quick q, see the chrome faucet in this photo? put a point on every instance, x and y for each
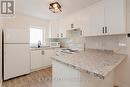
(39, 44)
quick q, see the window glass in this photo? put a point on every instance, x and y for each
(36, 35)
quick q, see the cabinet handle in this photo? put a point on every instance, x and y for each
(81, 32)
(61, 34)
(105, 29)
(72, 25)
(57, 35)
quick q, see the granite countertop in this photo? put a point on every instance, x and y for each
(43, 48)
(98, 63)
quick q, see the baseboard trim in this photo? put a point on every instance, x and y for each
(33, 70)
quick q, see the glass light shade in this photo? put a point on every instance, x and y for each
(55, 7)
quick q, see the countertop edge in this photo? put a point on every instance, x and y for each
(80, 69)
(89, 72)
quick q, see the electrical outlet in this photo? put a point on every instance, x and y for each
(122, 44)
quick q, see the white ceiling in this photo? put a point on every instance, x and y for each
(39, 8)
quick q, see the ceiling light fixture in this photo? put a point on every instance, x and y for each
(55, 7)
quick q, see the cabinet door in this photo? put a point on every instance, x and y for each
(95, 19)
(84, 21)
(47, 57)
(68, 21)
(54, 29)
(16, 60)
(77, 20)
(66, 73)
(115, 20)
(41, 58)
(84, 29)
(36, 59)
(62, 29)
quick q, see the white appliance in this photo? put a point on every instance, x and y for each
(0, 54)
(54, 44)
(16, 53)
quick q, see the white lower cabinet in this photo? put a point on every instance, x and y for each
(41, 58)
(46, 61)
(66, 76)
(36, 59)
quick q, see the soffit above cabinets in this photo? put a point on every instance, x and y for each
(40, 8)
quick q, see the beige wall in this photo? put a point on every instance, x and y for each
(21, 21)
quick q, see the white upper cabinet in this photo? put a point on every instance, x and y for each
(93, 20)
(106, 17)
(72, 21)
(58, 29)
(62, 29)
(115, 16)
(54, 29)
(76, 23)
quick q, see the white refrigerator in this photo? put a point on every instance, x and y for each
(16, 53)
(0, 54)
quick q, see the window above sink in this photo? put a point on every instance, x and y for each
(36, 36)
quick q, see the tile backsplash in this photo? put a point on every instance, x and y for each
(116, 43)
(113, 42)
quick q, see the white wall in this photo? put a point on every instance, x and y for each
(21, 21)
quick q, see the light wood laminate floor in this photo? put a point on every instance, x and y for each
(41, 78)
